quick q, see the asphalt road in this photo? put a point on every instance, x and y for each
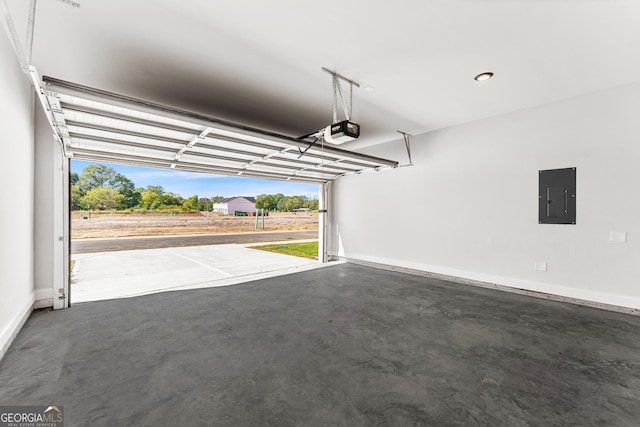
(127, 244)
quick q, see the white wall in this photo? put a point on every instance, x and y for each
(221, 208)
(16, 209)
(473, 191)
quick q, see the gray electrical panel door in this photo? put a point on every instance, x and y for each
(557, 196)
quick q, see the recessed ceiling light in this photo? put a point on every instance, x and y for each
(483, 76)
(369, 88)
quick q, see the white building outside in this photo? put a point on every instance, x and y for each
(232, 204)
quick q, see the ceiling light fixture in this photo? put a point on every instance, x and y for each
(483, 76)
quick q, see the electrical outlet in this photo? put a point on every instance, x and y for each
(618, 236)
(540, 266)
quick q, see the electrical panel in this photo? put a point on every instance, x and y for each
(557, 196)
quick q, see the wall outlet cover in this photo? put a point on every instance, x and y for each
(618, 236)
(540, 266)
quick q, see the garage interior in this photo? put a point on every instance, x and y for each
(452, 301)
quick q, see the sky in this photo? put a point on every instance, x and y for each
(187, 184)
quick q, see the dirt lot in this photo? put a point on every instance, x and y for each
(106, 225)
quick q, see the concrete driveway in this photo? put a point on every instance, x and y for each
(80, 246)
(108, 275)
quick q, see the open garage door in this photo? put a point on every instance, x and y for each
(102, 126)
(96, 125)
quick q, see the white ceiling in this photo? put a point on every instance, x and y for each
(259, 62)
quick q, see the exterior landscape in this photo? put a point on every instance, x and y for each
(107, 204)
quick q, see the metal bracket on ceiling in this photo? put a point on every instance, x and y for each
(337, 92)
(407, 144)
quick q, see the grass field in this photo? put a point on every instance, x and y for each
(304, 250)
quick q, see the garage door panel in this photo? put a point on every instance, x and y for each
(94, 124)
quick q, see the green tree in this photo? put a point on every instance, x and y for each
(190, 204)
(156, 189)
(94, 176)
(312, 204)
(150, 200)
(217, 199)
(121, 183)
(101, 198)
(74, 178)
(277, 198)
(283, 203)
(293, 202)
(76, 197)
(205, 204)
(266, 201)
(126, 187)
(130, 199)
(262, 201)
(171, 199)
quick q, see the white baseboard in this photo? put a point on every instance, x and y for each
(601, 300)
(44, 298)
(10, 331)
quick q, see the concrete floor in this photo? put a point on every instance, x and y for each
(342, 345)
(107, 275)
